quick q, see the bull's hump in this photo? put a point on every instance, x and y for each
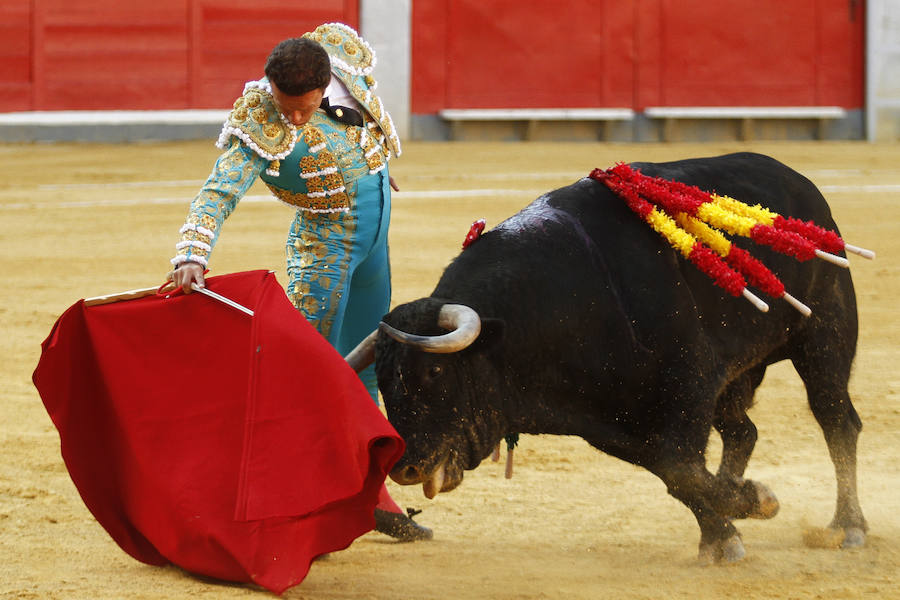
(535, 217)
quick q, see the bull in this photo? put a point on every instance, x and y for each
(573, 317)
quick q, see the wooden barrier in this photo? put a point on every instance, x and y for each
(532, 116)
(746, 114)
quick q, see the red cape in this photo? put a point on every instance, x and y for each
(235, 447)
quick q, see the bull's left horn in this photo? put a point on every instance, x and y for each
(364, 354)
(464, 325)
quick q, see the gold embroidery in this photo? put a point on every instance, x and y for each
(337, 202)
(326, 159)
(374, 153)
(312, 136)
(208, 222)
(345, 44)
(255, 120)
(333, 181)
(310, 305)
(194, 236)
(375, 107)
(358, 91)
(253, 100)
(346, 227)
(308, 163)
(230, 166)
(352, 62)
(319, 250)
(303, 288)
(271, 130)
(375, 162)
(260, 115)
(239, 114)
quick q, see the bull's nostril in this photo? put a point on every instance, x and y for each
(411, 473)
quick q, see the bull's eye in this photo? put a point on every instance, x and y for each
(434, 371)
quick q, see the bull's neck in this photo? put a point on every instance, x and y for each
(536, 411)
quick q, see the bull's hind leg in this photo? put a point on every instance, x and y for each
(738, 433)
(823, 363)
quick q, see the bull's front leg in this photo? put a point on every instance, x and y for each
(686, 479)
(742, 498)
(737, 431)
(696, 488)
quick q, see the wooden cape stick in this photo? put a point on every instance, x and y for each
(142, 292)
(120, 296)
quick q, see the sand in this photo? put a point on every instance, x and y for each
(84, 220)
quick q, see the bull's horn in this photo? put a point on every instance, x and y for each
(364, 354)
(464, 325)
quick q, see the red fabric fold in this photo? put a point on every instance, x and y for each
(234, 447)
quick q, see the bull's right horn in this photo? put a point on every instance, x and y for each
(464, 325)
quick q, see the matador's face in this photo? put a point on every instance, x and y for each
(297, 109)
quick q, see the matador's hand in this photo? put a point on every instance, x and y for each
(186, 274)
(394, 185)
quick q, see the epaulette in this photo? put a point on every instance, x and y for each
(352, 61)
(349, 52)
(256, 121)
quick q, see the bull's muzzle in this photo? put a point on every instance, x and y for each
(431, 482)
(408, 475)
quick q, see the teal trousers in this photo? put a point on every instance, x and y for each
(339, 267)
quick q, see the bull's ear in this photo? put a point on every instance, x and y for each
(492, 331)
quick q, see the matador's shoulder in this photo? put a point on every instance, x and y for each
(256, 121)
(352, 61)
(347, 50)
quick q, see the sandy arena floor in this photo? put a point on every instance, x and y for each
(84, 220)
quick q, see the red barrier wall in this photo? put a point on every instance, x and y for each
(750, 53)
(604, 53)
(514, 53)
(161, 54)
(171, 54)
(15, 55)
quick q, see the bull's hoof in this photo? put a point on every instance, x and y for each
(400, 527)
(768, 503)
(832, 538)
(730, 550)
(854, 537)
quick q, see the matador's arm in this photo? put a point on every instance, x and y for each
(233, 174)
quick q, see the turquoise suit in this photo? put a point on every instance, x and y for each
(335, 175)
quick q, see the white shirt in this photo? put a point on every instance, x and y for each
(338, 95)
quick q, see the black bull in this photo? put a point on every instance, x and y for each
(589, 324)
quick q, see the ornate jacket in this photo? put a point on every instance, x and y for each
(313, 168)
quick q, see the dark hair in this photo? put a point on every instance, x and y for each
(298, 65)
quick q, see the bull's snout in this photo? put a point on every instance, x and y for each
(408, 475)
(432, 482)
